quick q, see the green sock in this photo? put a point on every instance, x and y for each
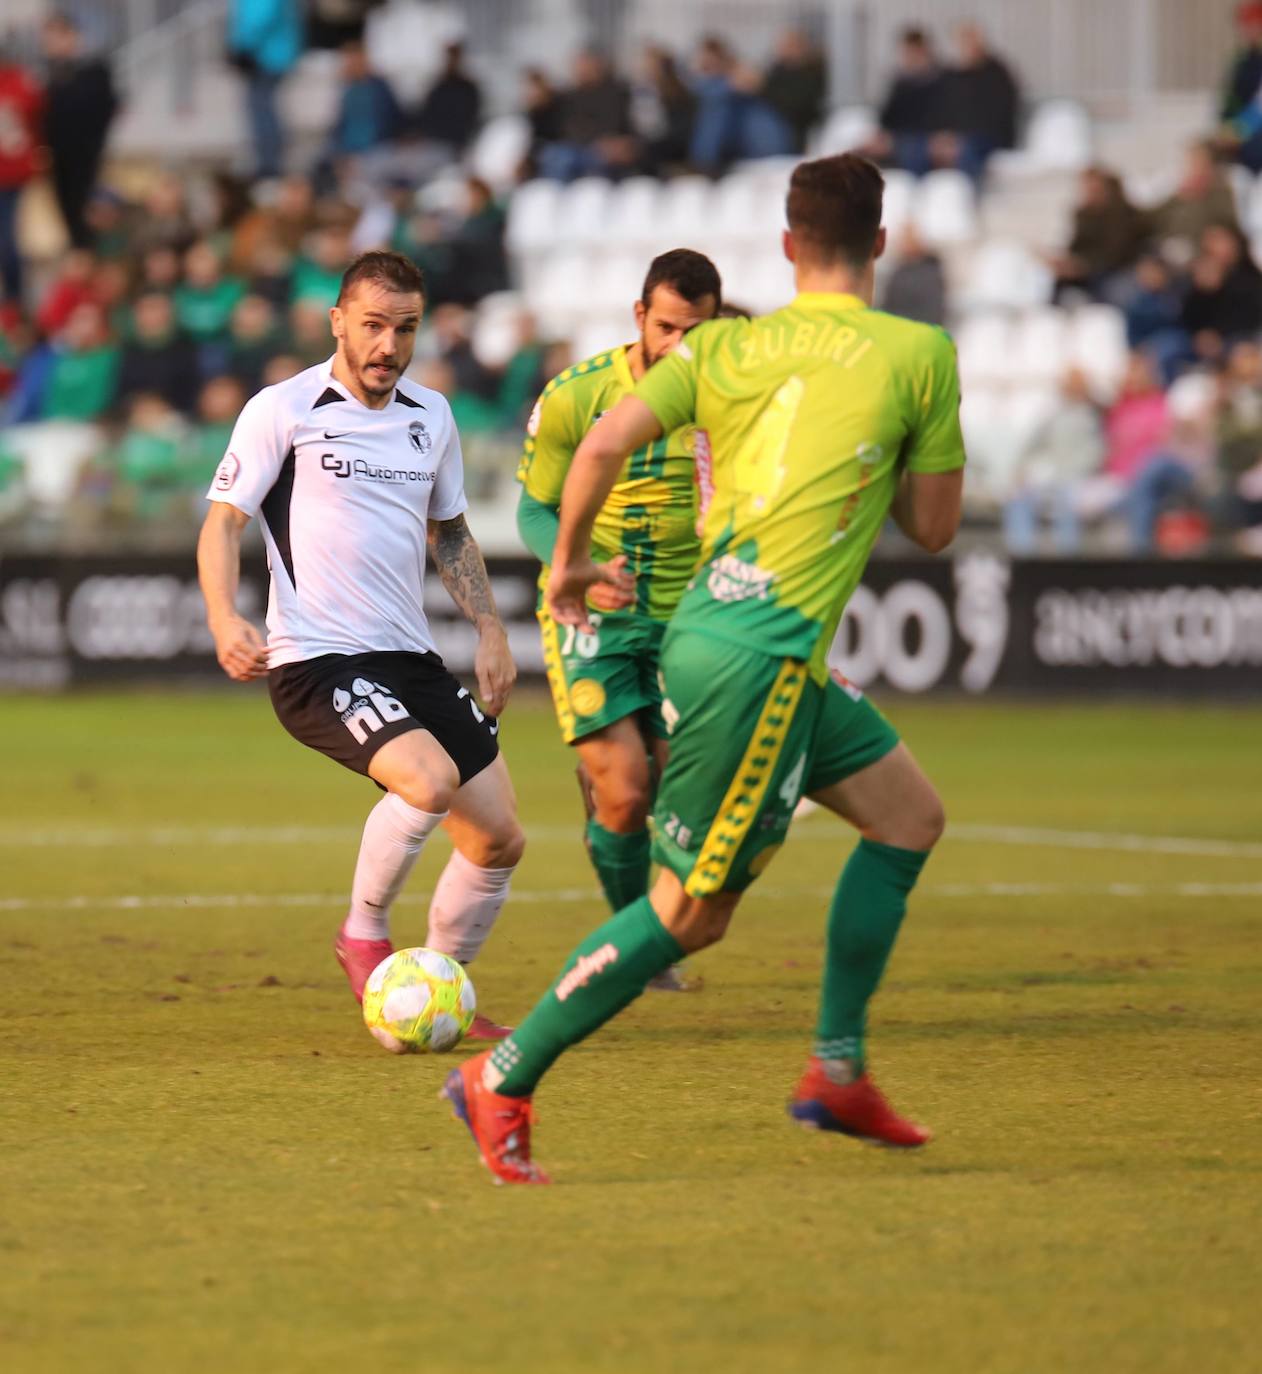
(863, 922)
(605, 973)
(621, 863)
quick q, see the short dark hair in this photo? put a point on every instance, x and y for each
(691, 275)
(392, 270)
(834, 207)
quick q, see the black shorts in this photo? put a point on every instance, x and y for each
(348, 705)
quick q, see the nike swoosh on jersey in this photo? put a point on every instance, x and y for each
(343, 435)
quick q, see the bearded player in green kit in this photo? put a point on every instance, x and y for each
(604, 680)
(823, 417)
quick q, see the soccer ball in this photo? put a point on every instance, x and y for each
(418, 1000)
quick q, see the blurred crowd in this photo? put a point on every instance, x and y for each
(179, 295)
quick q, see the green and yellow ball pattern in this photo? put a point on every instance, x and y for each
(418, 1000)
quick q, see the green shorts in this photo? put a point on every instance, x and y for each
(749, 736)
(601, 677)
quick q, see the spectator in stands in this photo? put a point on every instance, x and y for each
(164, 219)
(1237, 500)
(796, 85)
(73, 376)
(1202, 197)
(662, 109)
(255, 336)
(1066, 450)
(146, 461)
(1241, 105)
(286, 365)
(206, 298)
(1223, 304)
(218, 406)
(81, 108)
(368, 117)
(110, 225)
(73, 286)
(1152, 305)
(265, 40)
(331, 23)
(916, 288)
(733, 121)
(1107, 235)
(477, 243)
(913, 109)
(318, 270)
(1172, 480)
(541, 105)
(450, 110)
(595, 136)
(1137, 431)
(160, 270)
(21, 155)
(310, 336)
(450, 338)
(283, 217)
(158, 358)
(980, 104)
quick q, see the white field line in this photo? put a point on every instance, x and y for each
(163, 837)
(556, 896)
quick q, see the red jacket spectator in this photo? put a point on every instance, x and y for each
(21, 134)
(21, 126)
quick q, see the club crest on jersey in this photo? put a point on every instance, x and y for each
(419, 437)
(226, 472)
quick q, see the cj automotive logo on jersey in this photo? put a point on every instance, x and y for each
(363, 471)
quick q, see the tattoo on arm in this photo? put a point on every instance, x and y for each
(459, 563)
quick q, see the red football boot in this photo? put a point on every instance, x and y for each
(358, 958)
(500, 1126)
(483, 1028)
(857, 1109)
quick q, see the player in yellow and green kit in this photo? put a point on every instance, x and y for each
(823, 418)
(604, 678)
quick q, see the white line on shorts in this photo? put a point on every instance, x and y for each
(557, 896)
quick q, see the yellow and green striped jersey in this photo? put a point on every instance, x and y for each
(813, 413)
(651, 514)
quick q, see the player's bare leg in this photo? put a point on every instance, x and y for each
(420, 780)
(897, 811)
(487, 842)
(616, 775)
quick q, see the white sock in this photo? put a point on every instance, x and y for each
(394, 835)
(464, 907)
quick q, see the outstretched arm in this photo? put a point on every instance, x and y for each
(459, 562)
(597, 461)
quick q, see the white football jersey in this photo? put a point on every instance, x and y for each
(343, 493)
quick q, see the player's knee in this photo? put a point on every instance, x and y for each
(498, 848)
(623, 805)
(926, 821)
(425, 793)
(699, 923)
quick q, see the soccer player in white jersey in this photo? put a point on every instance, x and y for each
(353, 471)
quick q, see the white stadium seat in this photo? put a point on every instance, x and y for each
(686, 210)
(1060, 136)
(583, 211)
(900, 191)
(1041, 348)
(983, 345)
(499, 149)
(844, 130)
(1098, 346)
(634, 212)
(532, 216)
(1004, 274)
(945, 208)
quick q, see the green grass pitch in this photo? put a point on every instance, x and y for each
(208, 1165)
